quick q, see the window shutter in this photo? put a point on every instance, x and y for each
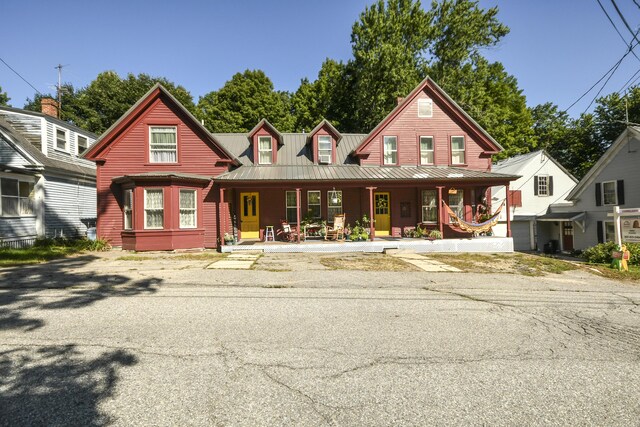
(621, 192)
(598, 194)
(535, 185)
(550, 185)
(600, 232)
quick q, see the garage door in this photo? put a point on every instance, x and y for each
(521, 232)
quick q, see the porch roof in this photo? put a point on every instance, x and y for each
(155, 176)
(562, 216)
(359, 173)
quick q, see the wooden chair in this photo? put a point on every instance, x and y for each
(336, 232)
(286, 233)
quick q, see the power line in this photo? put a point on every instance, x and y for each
(629, 82)
(615, 27)
(623, 20)
(18, 74)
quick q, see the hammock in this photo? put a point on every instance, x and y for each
(473, 227)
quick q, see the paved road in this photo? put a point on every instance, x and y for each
(166, 345)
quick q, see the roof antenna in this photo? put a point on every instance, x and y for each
(59, 87)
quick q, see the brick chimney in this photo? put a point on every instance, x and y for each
(49, 107)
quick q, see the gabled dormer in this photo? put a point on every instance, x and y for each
(265, 140)
(324, 140)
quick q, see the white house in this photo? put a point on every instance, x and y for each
(46, 188)
(543, 181)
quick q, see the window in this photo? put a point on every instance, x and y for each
(609, 232)
(61, 139)
(609, 196)
(17, 197)
(543, 185)
(292, 211)
(81, 143)
(324, 149)
(313, 204)
(425, 108)
(429, 206)
(127, 208)
(163, 144)
(265, 150)
(390, 150)
(457, 150)
(153, 209)
(334, 204)
(426, 150)
(456, 202)
(188, 206)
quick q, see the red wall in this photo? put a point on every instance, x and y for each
(408, 128)
(128, 154)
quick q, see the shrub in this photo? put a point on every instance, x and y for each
(435, 234)
(601, 253)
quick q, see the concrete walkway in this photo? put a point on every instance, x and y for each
(421, 261)
(236, 261)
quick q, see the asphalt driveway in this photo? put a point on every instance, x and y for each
(100, 340)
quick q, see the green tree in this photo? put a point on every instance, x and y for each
(4, 98)
(243, 101)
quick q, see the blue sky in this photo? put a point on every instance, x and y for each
(556, 49)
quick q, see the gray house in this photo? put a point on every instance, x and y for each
(46, 189)
(613, 181)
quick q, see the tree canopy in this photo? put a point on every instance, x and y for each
(4, 98)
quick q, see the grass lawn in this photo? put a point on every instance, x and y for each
(517, 263)
(633, 275)
(196, 256)
(49, 249)
(367, 262)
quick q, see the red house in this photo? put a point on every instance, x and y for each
(164, 182)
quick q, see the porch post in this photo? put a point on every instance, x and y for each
(372, 226)
(440, 209)
(221, 221)
(298, 211)
(508, 206)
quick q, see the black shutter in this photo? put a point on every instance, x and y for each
(551, 186)
(535, 185)
(600, 232)
(621, 192)
(598, 194)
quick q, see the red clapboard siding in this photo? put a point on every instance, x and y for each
(128, 154)
(408, 127)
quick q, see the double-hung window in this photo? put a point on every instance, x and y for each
(265, 150)
(609, 232)
(425, 108)
(163, 144)
(313, 204)
(188, 207)
(61, 139)
(456, 202)
(429, 206)
(17, 197)
(426, 150)
(127, 209)
(324, 149)
(543, 185)
(457, 150)
(609, 196)
(290, 205)
(390, 150)
(81, 143)
(153, 209)
(334, 204)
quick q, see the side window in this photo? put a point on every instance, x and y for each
(81, 143)
(127, 209)
(62, 142)
(163, 144)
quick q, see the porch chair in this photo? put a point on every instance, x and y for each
(286, 232)
(336, 232)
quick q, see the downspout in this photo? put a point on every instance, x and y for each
(508, 206)
(221, 222)
(298, 212)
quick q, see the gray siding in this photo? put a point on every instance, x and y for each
(67, 203)
(9, 156)
(69, 156)
(13, 228)
(521, 233)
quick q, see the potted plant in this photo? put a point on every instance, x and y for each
(228, 239)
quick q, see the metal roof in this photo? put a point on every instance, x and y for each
(162, 175)
(357, 173)
(51, 119)
(561, 216)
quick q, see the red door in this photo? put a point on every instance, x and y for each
(567, 236)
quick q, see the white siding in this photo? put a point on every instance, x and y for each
(14, 228)
(9, 156)
(69, 156)
(67, 202)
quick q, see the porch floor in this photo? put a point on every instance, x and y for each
(489, 244)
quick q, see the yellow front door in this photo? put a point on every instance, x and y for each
(249, 216)
(382, 214)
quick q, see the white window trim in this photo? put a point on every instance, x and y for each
(270, 150)
(194, 209)
(146, 227)
(615, 190)
(124, 210)
(330, 149)
(175, 128)
(384, 150)
(427, 101)
(435, 194)
(331, 206)
(78, 136)
(433, 149)
(464, 150)
(546, 194)
(33, 208)
(55, 139)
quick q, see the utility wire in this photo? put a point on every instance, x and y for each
(603, 86)
(18, 74)
(627, 85)
(624, 20)
(615, 27)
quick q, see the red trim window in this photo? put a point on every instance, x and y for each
(390, 150)
(163, 144)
